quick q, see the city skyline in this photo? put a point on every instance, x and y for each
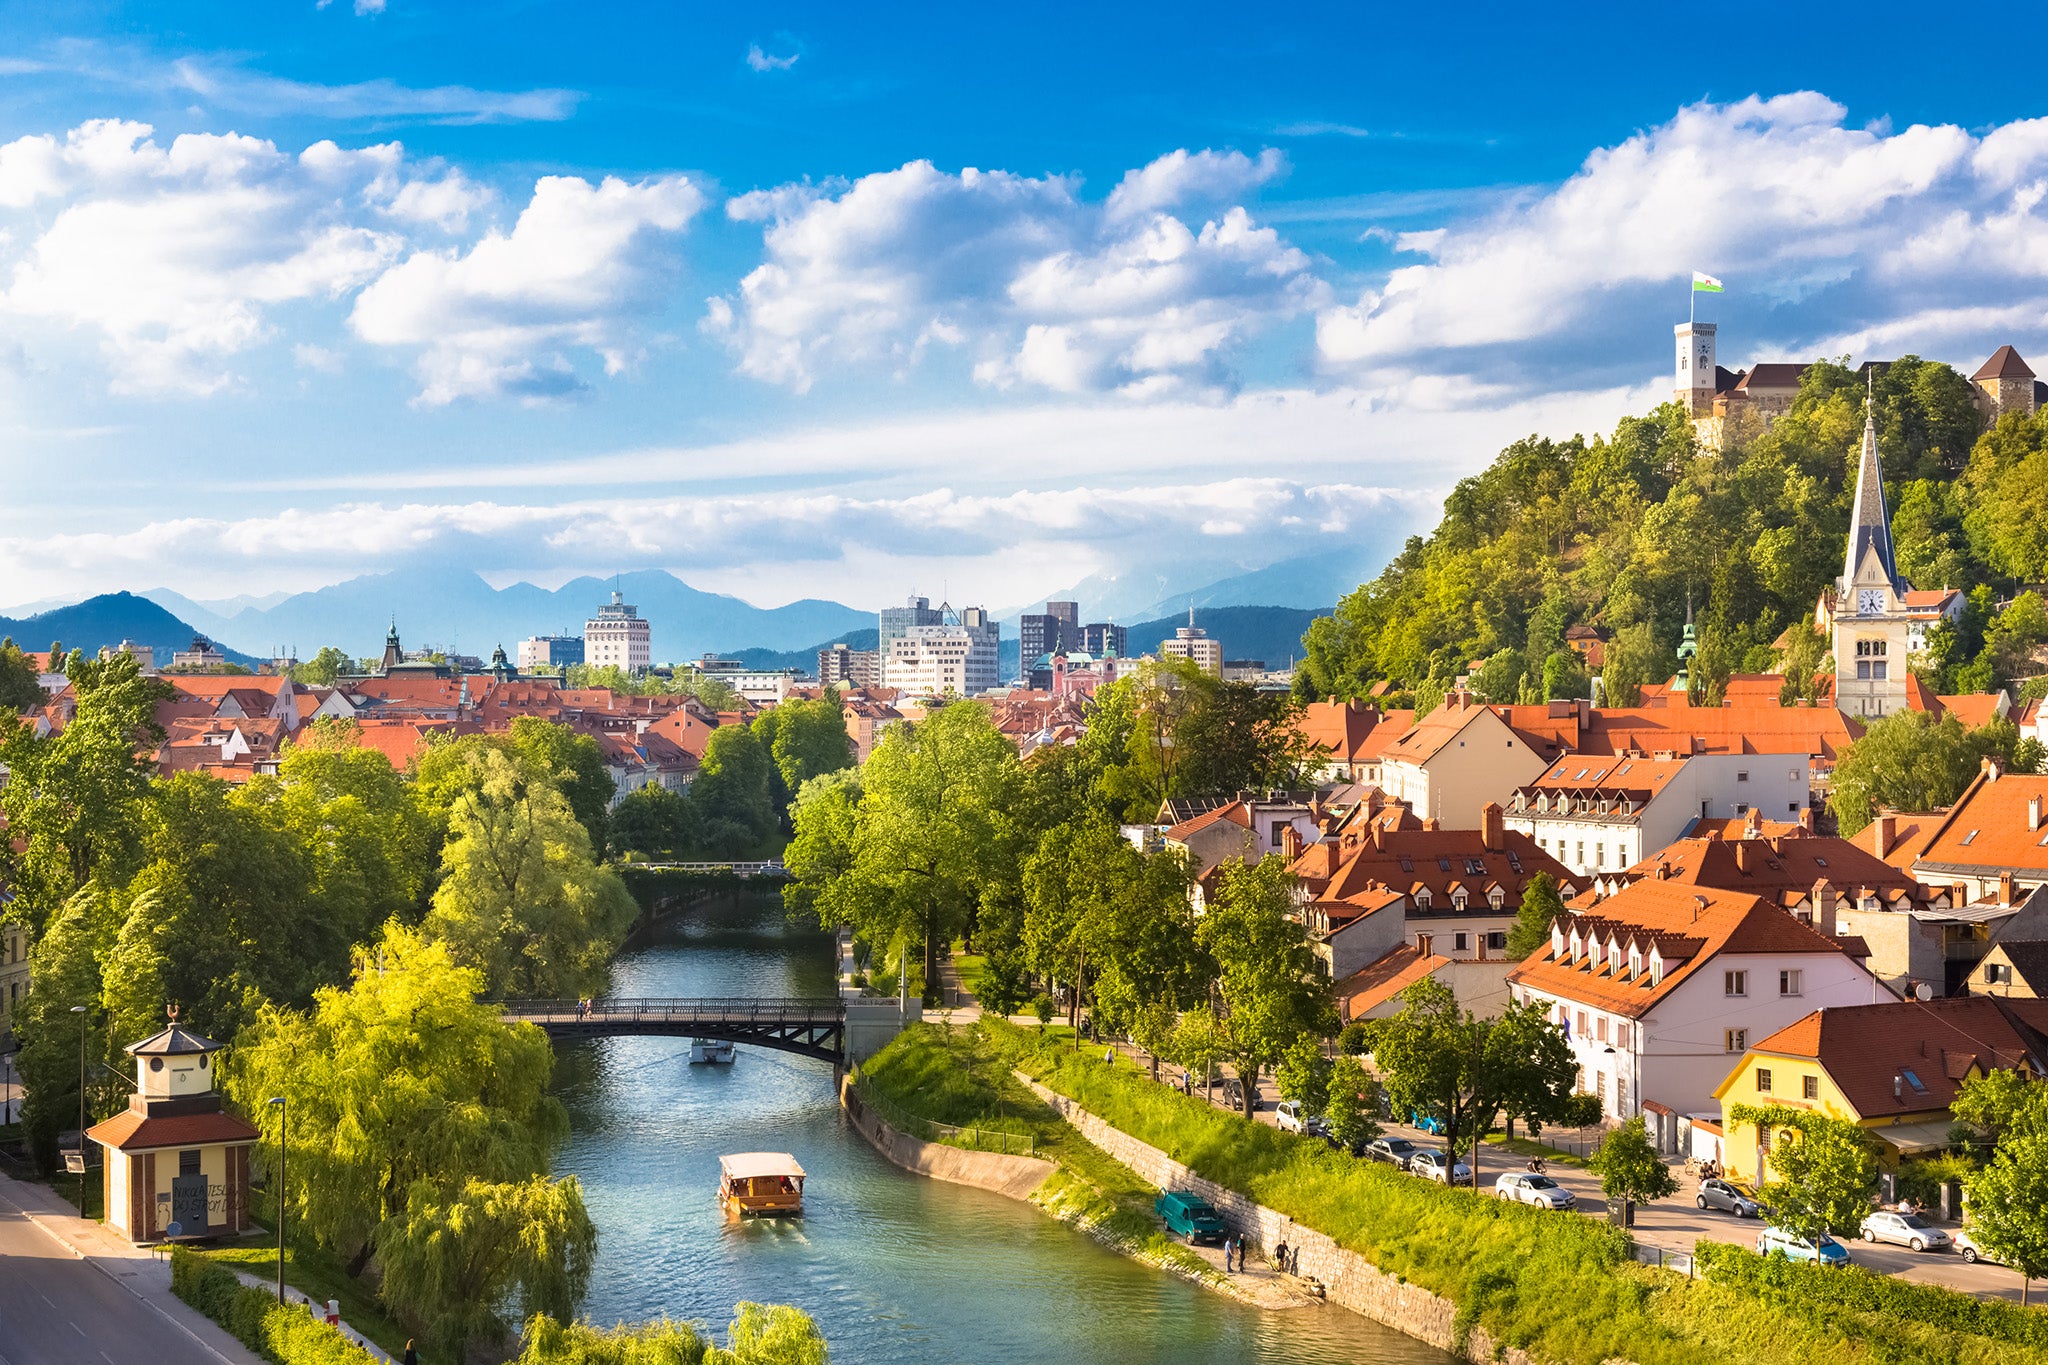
(353, 287)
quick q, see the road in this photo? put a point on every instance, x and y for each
(57, 1310)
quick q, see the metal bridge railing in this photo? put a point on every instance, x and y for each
(761, 1009)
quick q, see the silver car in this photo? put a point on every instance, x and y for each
(1906, 1230)
(1438, 1166)
(1729, 1197)
(1539, 1190)
(1969, 1248)
(1396, 1152)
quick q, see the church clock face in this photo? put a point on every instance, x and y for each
(1870, 602)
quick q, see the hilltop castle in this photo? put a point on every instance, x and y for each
(1728, 403)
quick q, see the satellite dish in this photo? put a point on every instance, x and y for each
(1923, 991)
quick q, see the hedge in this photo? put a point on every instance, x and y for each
(281, 1333)
(1861, 1291)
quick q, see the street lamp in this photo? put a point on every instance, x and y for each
(79, 1010)
(278, 1100)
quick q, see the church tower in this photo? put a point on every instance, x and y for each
(1870, 609)
(1695, 374)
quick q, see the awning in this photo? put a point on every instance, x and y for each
(1925, 1136)
(757, 1165)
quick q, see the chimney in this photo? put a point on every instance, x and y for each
(1663, 871)
(1422, 941)
(1699, 903)
(1887, 831)
(1991, 767)
(1898, 1085)
(1493, 830)
(1754, 825)
(2005, 888)
(1748, 856)
(2033, 813)
(1806, 818)
(1429, 822)
(1333, 699)
(1290, 843)
(1824, 906)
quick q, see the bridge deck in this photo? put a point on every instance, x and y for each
(812, 1027)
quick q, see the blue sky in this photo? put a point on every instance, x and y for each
(835, 302)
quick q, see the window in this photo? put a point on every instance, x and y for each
(1599, 855)
(1621, 1096)
(1763, 1080)
(1582, 1023)
(1968, 837)
(1735, 983)
(1443, 864)
(1736, 1040)
(1621, 1035)
(1994, 972)
(1788, 983)
(1809, 1087)
(1497, 941)
(188, 1162)
(1600, 1028)
(1906, 1073)
(1581, 859)
(1459, 941)
(1600, 1085)
(1742, 777)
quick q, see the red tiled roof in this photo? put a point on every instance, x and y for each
(1352, 875)
(130, 1131)
(2005, 363)
(1975, 710)
(1351, 732)
(1939, 1043)
(1774, 867)
(1986, 830)
(1689, 925)
(1236, 812)
(1373, 986)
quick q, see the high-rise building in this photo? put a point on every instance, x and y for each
(1191, 642)
(1067, 613)
(1102, 638)
(983, 660)
(539, 653)
(958, 655)
(896, 620)
(841, 665)
(1056, 630)
(617, 637)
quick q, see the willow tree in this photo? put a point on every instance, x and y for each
(399, 1079)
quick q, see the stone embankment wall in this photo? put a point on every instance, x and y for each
(1348, 1279)
(1014, 1176)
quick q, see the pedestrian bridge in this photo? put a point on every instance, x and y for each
(766, 868)
(808, 1027)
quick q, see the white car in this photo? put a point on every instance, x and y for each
(1904, 1229)
(1287, 1114)
(1539, 1190)
(1969, 1250)
(1438, 1166)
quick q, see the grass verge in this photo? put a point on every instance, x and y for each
(1530, 1147)
(1562, 1287)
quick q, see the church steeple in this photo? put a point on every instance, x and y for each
(1869, 527)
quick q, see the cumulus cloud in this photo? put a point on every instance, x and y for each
(1039, 286)
(172, 256)
(501, 317)
(763, 61)
(1828, 235)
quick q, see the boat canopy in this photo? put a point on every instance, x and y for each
(756, 1165)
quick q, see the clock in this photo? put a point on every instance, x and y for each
(1870, 602)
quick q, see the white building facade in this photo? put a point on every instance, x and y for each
(617, 637)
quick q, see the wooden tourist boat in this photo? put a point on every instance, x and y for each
(716, 1051)
(759, 1183)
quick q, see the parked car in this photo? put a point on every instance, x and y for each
(1827, 1252)
(1396, 1152)
(1438, 1166)
(1729, 1197)
(1904, 1229)
(1428, 1123)
(1189, 1215)
(1969, 1250)
(1539, 1190)
(1287, 1114)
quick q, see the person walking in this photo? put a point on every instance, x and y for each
(412, 1357)
(1227, 1245)
(1280, 1257)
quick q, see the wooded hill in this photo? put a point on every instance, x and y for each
(1623, 531)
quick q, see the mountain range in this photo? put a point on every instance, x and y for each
(108, 620)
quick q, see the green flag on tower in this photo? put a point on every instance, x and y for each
(1705, 284)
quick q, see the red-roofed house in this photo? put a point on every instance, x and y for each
(1458, 758)
(1663, 987)
(1353, 736)
(175, 1158)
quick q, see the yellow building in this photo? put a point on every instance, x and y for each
(175, 1158)
(1893, 1068)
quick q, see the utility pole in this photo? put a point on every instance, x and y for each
(79, 1010)
(283, 1140)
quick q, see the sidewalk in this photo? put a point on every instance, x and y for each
(136, 1269)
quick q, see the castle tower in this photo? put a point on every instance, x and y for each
(2006, 384)
(1695, 374)
(393, 655)
(1870, 611)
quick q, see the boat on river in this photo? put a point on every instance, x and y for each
(716, 1051)
(759, 1183)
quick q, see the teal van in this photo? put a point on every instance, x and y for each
(1190, 1216)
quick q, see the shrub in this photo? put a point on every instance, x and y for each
(284, 1334)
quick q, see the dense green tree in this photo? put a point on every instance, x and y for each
(734, 792)
(1352, 1109)
(760, 1334)
(465, 1260)
(574, 764)
(1909, 761)
(1303, 1075)
(1266, 978)
(65, 966)
(806, 739)
(1445, 1062)
(323, 668)
(73, 801)
(1541, 908)
(1630, 1167)
(654, 822)
(521, 899)
(2001, 1100)
(2008, 1199)
(1822, 1174)
(21, 687)
(400, 1077)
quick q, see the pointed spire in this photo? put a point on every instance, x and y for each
(1869, 525)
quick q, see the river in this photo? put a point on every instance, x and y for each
(894, 1267)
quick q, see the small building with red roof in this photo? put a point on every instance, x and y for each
(176, 1162)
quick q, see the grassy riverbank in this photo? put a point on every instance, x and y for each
(1563, 1287)
(959, 1077)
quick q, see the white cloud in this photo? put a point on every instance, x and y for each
(1825, 233)
(255, 92)
(500, 318)
(1038, 286)
(172, 256)
(763, 61)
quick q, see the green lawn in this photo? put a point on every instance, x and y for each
(1527, 1147)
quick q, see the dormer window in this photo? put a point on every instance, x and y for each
(1496, 898)
(1458, 899)
(1578, 946)
(1557, 945)
(1656, 967)
(1422, 899)
(1635, 960)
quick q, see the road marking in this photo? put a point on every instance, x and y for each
(76, 1328)
(109, 1359)
(46, 1298)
